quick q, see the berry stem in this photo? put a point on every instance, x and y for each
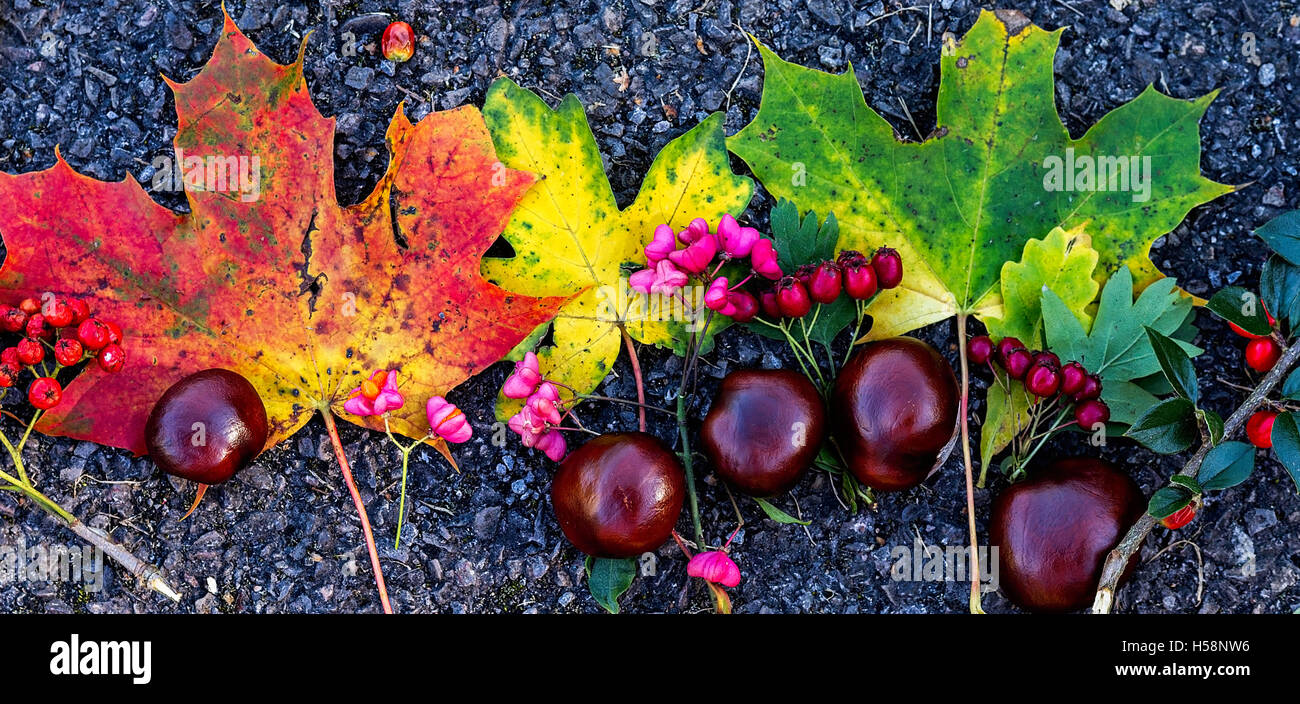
(687, 465)
(975, 606)
(1118, 559)
(636, 374)
(361, 508)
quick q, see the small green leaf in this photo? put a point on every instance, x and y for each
(1282, 234)
(1291, 387)
(777, 514)
(608, 579)
(802, 242)
(1227, 465)
(1213, 422)
(1168, 501)
(1168, 427)
(1187, 482)
(1279, 289)
(1232, 304)
(1174, 364)
(1286, 445)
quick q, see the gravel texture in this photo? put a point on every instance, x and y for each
(283, 537)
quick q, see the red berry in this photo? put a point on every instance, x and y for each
(1006, 344)
(93, 334)
(13, 320)
(767, 301)
(888, 266)
(826, 283)
(1073, 376)
(7, 377)
(1044, 355)
(1091, 388)
(59, 314)
(1018, 362)
(859, 278)
(745, 304)
(68, 351)
(80, 310)
(30, 306)
(30, 351)
(804, 274)
(1091, 412)
(44, 393)
(980, 349)
(10, 356)
(849, 256)
(114, 332)
(792, 298)
(111, 358)
(37, 327)
(1179, 518)
(1043, 378)
(1259, 428)
(398, 42)
(1262, 353)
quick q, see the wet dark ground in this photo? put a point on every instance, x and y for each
(283, 536)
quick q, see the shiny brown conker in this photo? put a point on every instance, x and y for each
(1054, 530)
(892, 410)
(619, 495)
(764, 429)
(206, 426)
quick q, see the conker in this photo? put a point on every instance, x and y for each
(893, 408)
(764, 429)
(1054, 530)
(619, 495)
(206, 426)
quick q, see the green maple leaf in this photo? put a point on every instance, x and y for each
(967, 199)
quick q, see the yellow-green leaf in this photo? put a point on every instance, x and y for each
(571, 239)
(1063, 262)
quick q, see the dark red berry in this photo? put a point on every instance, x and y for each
(68, 351)
(792, 298)
(1018, 362)
(37, 327)
(59, 314)
(1006, 344)
(10, 356)
(1072, 377)
(859, 279)
(1091, 412)
(30, 306)
(13, 320)
(1259, 428)
(114, 332)
(44, 393)
(1043, 378)
(826, 283)
(1179, 518)
(30, 351)
(745, 304)
(1045, 356)
(804, 274)
(111, 358)
(1091, 388)
(94, 334)
(980, 349)
(1262, 353)
(398, 42)
(7, 376)
(80, 310)
(767, 301)
(889, 268)
(849, 256)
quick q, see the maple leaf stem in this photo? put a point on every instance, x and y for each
(975, 607)
(361, 508)
(636, 374)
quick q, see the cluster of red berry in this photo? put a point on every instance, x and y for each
(40, 324)
(851, 273)
(1044, 376)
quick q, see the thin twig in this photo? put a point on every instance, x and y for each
(636, 374)
(975, 606)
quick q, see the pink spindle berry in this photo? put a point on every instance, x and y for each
(698, 228)
(553, 444)
(764, 261)
(525, 378)
(697, 256)
(980, 349)
(663, 244)
(714, 566)
(889, 267)
(736, 241)
(716, 295)
(447, 421)
(826, 283)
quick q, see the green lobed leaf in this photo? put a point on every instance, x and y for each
(802, 242)
(1282, 234)
(777, 514)
(967, 199)
(1286, 444)
(1168, 500)
(608, 579)
(1175, 365)
(1062, 262)
(1167, 428)
(1226, 465)
(1240, 307)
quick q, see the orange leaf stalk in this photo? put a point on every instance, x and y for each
(361, 509)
